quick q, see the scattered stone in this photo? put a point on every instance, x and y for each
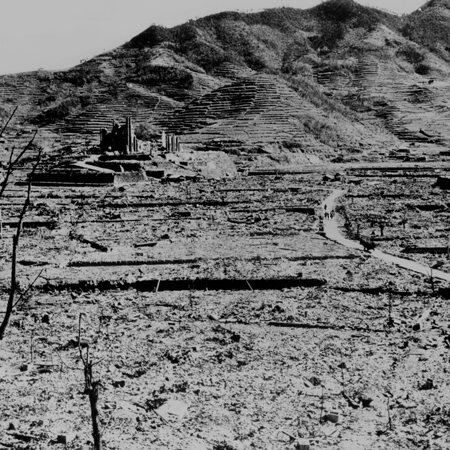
(333, 416)
(65, 438)
(427, 385)
(406, 405)
(136, 374)
(421, 320)
(315, 381)
(45, 318)
(23, 437)
(26, 367)
(302, 444)
(365, 400)
(172, 409)
(235, 337)
(73, 343)
(213, 317)
(350, 401)
(447, 341)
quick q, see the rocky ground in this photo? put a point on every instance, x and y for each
(218, 317)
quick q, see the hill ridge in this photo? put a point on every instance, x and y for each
(319, 80)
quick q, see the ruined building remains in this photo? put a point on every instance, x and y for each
(121, 139)
(170, 142)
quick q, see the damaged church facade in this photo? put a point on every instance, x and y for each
(122, 139)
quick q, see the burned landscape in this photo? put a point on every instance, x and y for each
(218, 232)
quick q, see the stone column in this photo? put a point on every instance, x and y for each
(129, 136)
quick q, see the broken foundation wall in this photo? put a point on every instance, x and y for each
(123, 178)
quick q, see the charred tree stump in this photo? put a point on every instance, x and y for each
(93, 400)
(91, 388)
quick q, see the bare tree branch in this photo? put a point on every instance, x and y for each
(7, 122)
(16, 239)
(28, 288)
(92, 389)
(12, 164)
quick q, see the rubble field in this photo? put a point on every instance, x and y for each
(219, 317)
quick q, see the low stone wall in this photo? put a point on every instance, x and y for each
(73, 177)
(129, 177)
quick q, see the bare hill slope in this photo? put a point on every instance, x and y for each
(334, 80)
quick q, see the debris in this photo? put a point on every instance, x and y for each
(235, 337)
(136, 374)
(447, 341)
(367, 244)
(65, 438)
(425, 134)
(406, 405)
(442, 182)
(298, 325)
(351, 402)
(23, 437)
(73, 343)
(83, 240)
(333, 416)
(26, 367)
(420, 321)
(427, 385)
(145, 244)
(365, 400)
(314, 381)
(172, 409)
(302, 444)
(213, 317)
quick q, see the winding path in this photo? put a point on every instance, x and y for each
(332, 232)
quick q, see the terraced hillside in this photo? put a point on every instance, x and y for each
(336, 80)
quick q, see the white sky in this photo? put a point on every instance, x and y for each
(57, 34)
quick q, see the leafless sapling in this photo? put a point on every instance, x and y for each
(91, 388)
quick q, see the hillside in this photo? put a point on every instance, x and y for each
(335, 80)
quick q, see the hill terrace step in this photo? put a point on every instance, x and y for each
(101, 116)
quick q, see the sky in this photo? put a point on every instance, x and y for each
(58, 34)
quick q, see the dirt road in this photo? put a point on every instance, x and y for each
(332, 231)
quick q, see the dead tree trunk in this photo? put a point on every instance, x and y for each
(16, 239)
(13, 288)
(91, 388)
(93, 400)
